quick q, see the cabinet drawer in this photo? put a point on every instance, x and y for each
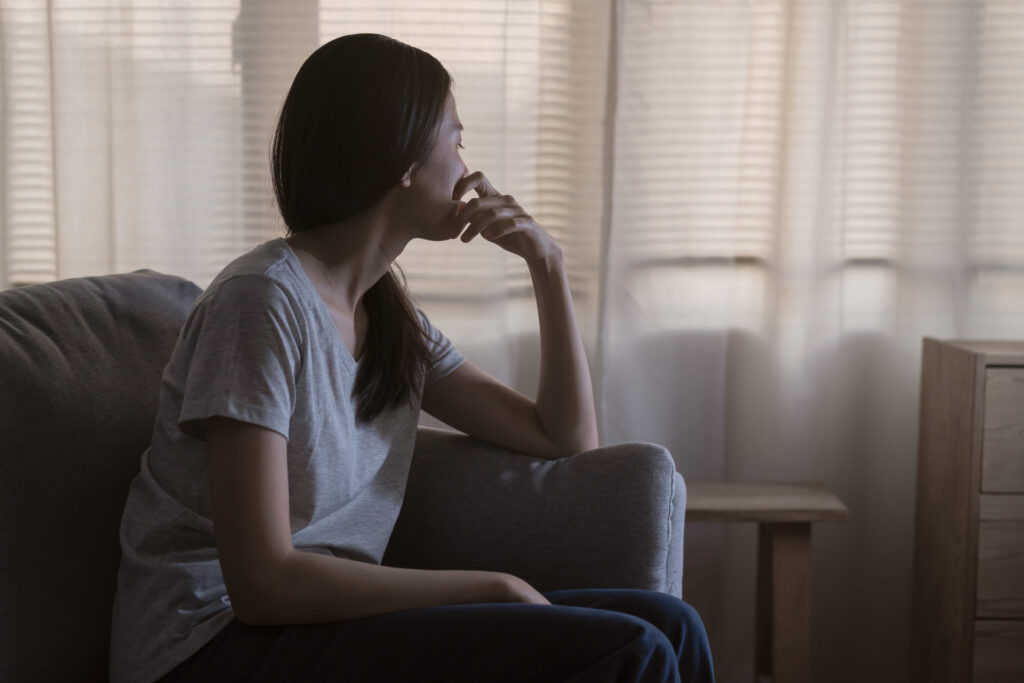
(1002, 464)
(998, 651)
(1001, 557)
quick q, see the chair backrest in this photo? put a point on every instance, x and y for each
(80, 367)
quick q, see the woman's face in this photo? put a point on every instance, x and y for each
(429, 204)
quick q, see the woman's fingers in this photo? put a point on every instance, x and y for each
(499, 218)
(468, 209)
(475, 181)
(504, 226)
(487, 217)
(473, 205)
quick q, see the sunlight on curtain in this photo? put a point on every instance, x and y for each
(802, 191)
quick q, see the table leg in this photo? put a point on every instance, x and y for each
(784, 602)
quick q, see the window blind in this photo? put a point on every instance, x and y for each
(137, 133)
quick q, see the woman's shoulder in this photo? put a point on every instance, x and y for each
(257, 286)
(263, 275)
(268, 259)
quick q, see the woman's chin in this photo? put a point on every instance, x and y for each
(449, 227)
(441, 232)
(443, 222)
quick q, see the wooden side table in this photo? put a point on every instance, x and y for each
(784, 513)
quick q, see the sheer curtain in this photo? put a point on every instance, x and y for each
(765, 204)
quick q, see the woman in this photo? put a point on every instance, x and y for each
(253, 535)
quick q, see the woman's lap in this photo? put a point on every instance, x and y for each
(677, 620)
(585, 635)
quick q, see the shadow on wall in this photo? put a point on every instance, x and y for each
(846, 416)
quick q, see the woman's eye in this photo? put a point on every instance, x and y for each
(460, 145)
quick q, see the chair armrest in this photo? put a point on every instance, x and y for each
(609, 517)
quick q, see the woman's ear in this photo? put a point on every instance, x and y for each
(407, 178)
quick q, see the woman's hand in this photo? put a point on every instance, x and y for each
(517, 590)
(500, 219)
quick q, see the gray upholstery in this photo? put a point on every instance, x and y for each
(80, 366)
(611, 517)
(80, 362)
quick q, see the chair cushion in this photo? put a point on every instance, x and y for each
(81, 361)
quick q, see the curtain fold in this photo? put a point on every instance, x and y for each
(764, 205)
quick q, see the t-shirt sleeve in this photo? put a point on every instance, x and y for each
(246, 341)
(445, 356)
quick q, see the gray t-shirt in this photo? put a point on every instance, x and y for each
(258, 346)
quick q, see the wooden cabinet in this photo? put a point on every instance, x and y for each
(968, 592)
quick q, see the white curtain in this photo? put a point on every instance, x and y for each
(765, 205)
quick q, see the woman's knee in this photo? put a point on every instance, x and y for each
(679, 625)
(674, 617)
(695, 663)
(684, 636)
(689, 620)
(634, 650)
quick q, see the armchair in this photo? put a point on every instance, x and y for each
(80, 367)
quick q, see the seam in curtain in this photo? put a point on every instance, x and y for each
(968, 67)
(112, 129)
(777, 284)
(4, 197)
(53, 140)
(608, 183)
(823, 201)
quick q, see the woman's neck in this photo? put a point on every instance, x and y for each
(345, 259)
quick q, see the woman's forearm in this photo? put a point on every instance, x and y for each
(309, 588)
(565, 399)
(565, 396)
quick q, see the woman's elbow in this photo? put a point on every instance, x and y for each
(587, 443)
(254, 595)
(571, 444)
(250, 606)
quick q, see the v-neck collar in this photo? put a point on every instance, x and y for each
(320, 303)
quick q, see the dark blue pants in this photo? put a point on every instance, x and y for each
(585, 635)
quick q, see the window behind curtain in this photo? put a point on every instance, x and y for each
(136, 134)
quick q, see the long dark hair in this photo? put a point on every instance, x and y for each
(362, 109)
